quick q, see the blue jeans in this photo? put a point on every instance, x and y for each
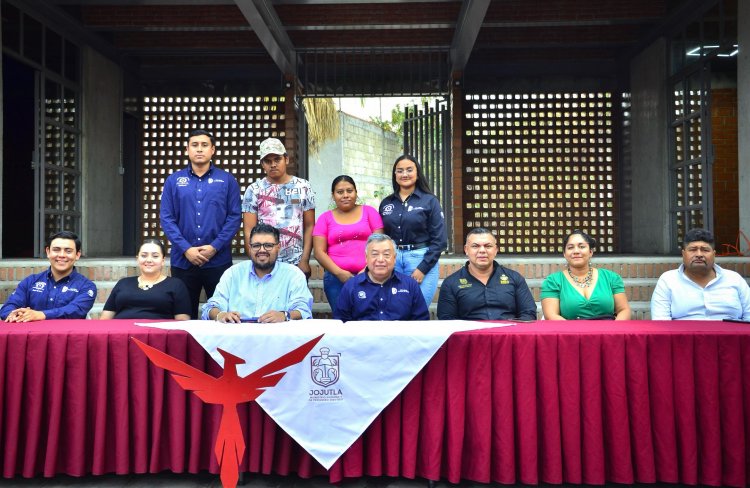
(332, 288)
(407, 262)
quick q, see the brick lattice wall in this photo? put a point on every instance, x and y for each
(724, 138)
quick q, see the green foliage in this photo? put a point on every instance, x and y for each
(396, 124)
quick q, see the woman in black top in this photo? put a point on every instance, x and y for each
(151, 295)
(413, 218)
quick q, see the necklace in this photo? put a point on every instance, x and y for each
(147, 286)
(586, 281)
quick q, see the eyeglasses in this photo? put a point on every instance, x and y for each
(265, 245)
(408, 171)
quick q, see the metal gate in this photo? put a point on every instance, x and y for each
(690, 152)
(427, 137)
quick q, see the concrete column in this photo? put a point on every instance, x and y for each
(292, 92)
(649, 151)
(457, 156)
(101, 156)
(743, 115)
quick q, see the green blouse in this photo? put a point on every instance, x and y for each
(573, 305)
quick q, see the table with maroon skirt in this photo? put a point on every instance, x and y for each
(544, 402)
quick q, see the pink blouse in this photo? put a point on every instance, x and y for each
(346, 242)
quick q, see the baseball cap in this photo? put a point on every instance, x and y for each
(271, 146)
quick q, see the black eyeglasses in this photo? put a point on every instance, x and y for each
(265, 245)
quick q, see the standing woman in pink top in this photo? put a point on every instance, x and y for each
(340, 236)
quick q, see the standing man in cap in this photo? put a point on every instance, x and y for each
(283, 201)
(200, 214)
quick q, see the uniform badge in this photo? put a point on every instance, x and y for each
(504, 280)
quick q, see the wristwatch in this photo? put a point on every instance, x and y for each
(287, 316)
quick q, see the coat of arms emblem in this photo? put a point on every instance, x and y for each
(324, 369)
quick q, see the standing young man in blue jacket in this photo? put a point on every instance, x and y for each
(200, 214)
(60, 292)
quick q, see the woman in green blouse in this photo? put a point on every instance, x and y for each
(581, 291)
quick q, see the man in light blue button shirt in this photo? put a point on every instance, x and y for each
(262, 289)
(700, 289)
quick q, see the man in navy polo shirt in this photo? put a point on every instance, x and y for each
(200, 214)
(60, 292)
(380, 293)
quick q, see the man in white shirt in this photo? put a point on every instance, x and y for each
(700, 289)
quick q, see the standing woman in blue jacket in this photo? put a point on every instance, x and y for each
(412, 216)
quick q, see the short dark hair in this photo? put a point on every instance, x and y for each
(341, 178)
(158, 242)
(65, 234)
(201, 132)
(589, 240)
(698, 234)
(262, 228)
(479, 231)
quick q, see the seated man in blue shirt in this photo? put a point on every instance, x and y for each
(483, 289)
(262, 289)
(60, 292)
(700, 289)
(380, 293)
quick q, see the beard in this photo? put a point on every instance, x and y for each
(268, 266)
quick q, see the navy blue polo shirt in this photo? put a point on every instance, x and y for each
(418, 220)
(199, 210)
(70, 298)
(399, 298)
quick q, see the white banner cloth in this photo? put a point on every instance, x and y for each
(327, 401)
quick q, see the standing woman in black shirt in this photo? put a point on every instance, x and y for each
(151, 295)
(412, 216)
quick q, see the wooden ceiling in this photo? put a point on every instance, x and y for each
(389, 46)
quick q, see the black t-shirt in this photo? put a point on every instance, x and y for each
(162, 301)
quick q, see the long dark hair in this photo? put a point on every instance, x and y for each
(421, 180)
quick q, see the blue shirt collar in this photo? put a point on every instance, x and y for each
(273, 270)
(207, 173)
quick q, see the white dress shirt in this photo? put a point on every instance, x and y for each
(677, 297)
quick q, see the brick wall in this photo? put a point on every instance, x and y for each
(725, 188)
(368, 156)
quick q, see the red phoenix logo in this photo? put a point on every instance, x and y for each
(228, 390)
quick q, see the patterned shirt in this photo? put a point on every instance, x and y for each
(282, 206)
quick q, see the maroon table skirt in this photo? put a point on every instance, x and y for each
(547, 402)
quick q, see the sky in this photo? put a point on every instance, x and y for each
(373, 107)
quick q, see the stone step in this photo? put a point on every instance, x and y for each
(639, 274)
(636, 289)
(531, 267)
